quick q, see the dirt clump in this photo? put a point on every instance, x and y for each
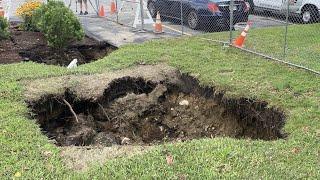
(137, 110)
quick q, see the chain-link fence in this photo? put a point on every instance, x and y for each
(286, 30)
(295, 33)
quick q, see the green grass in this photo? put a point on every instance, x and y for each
(295, 91)
(303, 43)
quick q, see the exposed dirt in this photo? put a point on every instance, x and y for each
(81, 158)
(134, 108)
(32, 46)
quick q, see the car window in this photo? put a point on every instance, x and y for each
(202, 0)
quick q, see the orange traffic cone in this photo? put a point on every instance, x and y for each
(239, 41)
(113, 7)
(1, 9)
(101, 11)
(158, 24)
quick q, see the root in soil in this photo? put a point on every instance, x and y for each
(134, 109)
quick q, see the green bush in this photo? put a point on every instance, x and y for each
(4, 28)
(59, 25)
(37, 18)
(27, 24)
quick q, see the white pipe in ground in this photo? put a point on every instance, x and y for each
(73, 64)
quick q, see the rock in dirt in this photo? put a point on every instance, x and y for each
(184, 103)
(104, 139)
(152, 132)
(125, 141)
(80, 137)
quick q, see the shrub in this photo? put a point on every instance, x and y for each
(59, 24)
(26, 11)
(4, 28)
(37, 16)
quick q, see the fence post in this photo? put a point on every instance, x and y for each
(285, 46)
(117, 11)
(231, 6)
(97, 6)
(181, 16)
(141, 14)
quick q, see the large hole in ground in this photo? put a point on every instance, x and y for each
(135, 111)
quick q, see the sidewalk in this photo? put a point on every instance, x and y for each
(106, 29)
(115, 34)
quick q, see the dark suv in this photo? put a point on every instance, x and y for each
(214, 13)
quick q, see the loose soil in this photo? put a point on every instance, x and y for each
(146, 105)
(32, 46)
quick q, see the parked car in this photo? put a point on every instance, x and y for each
(201, 12)
(307, 11)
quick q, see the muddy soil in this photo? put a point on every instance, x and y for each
(32, 46)
(137, 110)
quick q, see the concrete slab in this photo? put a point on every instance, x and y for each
(115, 34)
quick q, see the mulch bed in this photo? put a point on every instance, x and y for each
(32, 46)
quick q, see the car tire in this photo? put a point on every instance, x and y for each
(193, 20)
(309, 15)
(152, 9)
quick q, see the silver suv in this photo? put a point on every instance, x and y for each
(306, 10)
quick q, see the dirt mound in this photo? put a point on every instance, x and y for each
(134, 109)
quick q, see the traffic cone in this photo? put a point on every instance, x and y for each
(113, 7)
(1, 9)
(239, 41)
(101, 11)
(158, 24)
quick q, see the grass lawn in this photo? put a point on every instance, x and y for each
(303, 43)
(23, 147)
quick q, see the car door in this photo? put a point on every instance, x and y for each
(268, 4)
(257, 3)
(277, 4)
(175, 8)
(262, 3)
(163, 6)
(186, 5)
(274, 4)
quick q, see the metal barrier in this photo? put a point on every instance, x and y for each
(294, 38)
